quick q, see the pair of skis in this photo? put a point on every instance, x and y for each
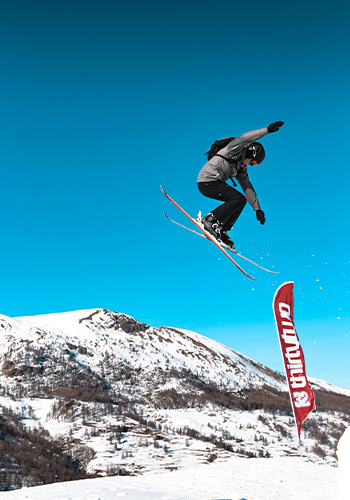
(208, 236)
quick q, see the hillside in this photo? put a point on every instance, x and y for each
(109, 395)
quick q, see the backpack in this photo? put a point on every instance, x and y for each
(217, 146)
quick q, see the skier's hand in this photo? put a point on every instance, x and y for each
(274, 127)
(260, 216)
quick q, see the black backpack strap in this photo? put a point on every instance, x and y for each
(229, 160)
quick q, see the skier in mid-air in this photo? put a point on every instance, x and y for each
(229, 162)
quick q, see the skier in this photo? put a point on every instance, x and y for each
(229, 162)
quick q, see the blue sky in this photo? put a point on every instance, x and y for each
(101, 102)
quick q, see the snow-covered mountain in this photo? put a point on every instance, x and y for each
(91, 336)
(121, 397)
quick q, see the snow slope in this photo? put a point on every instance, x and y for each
(343, 453)
(237, 479)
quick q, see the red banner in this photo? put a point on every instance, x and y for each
(301, 395)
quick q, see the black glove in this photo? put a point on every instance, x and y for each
(274, 126)
(260, 216)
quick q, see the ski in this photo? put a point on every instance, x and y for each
(230, 250)
(207, 235)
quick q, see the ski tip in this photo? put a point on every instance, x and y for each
(164, 192)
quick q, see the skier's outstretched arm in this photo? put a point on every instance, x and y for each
(254, 135)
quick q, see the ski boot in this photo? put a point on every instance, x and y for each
(226, 241)
(212, 225)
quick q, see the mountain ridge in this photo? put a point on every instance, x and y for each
(189, 344)
(133, 325)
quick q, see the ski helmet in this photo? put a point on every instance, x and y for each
(255, 151)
